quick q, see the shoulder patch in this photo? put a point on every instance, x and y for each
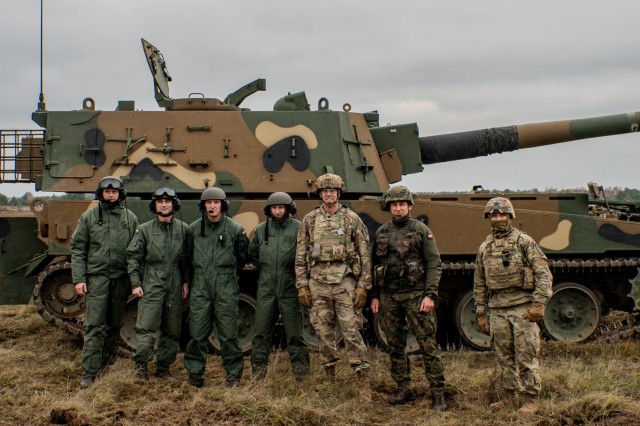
(136, 232)
(429, 236)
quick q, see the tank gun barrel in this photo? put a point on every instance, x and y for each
(478, 143)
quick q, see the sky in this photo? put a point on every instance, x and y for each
(448, 66)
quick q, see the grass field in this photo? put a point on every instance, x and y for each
(582, 384)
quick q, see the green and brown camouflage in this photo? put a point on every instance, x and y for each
(197, 143)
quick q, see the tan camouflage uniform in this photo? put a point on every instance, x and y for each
(509, 292)
(332, 259)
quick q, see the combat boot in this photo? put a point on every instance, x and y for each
(331, 372)
(195, 382)
(163, 374)
(403, 395)
(142, 375)
(364, 384)
(438, 402)
(86, 381)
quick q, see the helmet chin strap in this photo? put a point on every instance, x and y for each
(164, 214)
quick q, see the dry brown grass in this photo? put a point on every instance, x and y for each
(582, 384)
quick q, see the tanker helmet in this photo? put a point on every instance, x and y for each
(213, 193)
(329, 181)
(111, 182)
(397, 193)
(166, 194)
(500, 205)
(280, 199)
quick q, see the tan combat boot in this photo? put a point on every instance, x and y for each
(364, 385)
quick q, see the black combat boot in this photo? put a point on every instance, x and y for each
(86, 381)
(141, 373)
(403, 395)
(163, 374)
(195, 382)
(438, 402)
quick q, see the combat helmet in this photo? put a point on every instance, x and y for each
(165, 193)
(110, 182)
(280, 199)
(500, 205)
(397, 193)
(213, 193)
(329, 181)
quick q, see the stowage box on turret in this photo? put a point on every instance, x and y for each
(200, 142)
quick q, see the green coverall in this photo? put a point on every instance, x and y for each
(215, 292)
(156, 256)
(275, 259)
(99, 258)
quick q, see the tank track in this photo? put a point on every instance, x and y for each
(610, 333)
(73, 326)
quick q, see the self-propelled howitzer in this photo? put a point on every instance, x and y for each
(199, 142)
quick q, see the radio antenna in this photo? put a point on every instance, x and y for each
(42, 106)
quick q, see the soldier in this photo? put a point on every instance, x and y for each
(156, 262)
(218, 248)
(99, 268)
(512, 278)
(407, 271)
(333, 274)
(272, 250)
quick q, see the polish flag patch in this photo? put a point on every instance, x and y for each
(429, 236)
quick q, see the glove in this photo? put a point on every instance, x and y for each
(483, 323)
(536, 312)
(304, 297)
(359, 298)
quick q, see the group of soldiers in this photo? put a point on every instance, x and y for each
(324, 264)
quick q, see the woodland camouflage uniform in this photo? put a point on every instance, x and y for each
(511, 277)
(407, 264)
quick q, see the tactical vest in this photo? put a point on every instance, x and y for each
(402, 259)
(329, 238)
(504, 264)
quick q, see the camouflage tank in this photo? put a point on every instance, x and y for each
(199, 142)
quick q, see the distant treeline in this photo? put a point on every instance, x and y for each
(613, 193)
(25, 200)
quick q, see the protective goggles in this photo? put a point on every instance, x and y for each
(164, 193)
(110, 183)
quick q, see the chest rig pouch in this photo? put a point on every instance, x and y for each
(401, 258)
(329, 239)
(505, 265)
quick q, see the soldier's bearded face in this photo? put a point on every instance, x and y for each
(400, 209)
(329, 196)
(214, 209)
(278, 212)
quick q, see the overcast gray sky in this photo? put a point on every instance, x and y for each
(449, 66)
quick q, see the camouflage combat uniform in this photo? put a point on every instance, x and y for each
(407, 264)
(99, 258)
(156, 256)
(215, 293)
(332, 259)
(508, 288)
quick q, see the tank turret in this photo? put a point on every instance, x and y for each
(197, 142)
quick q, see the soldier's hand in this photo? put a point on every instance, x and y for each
(483, 323)
(81, 289)
(536, 312)
(427, 304)
(359, 298)
(185, 291)
(375, 306)
(304, 297)
(137, 292)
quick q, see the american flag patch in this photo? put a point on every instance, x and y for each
(429, 236)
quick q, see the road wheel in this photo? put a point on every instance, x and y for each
(467, 325)
(572, 313)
